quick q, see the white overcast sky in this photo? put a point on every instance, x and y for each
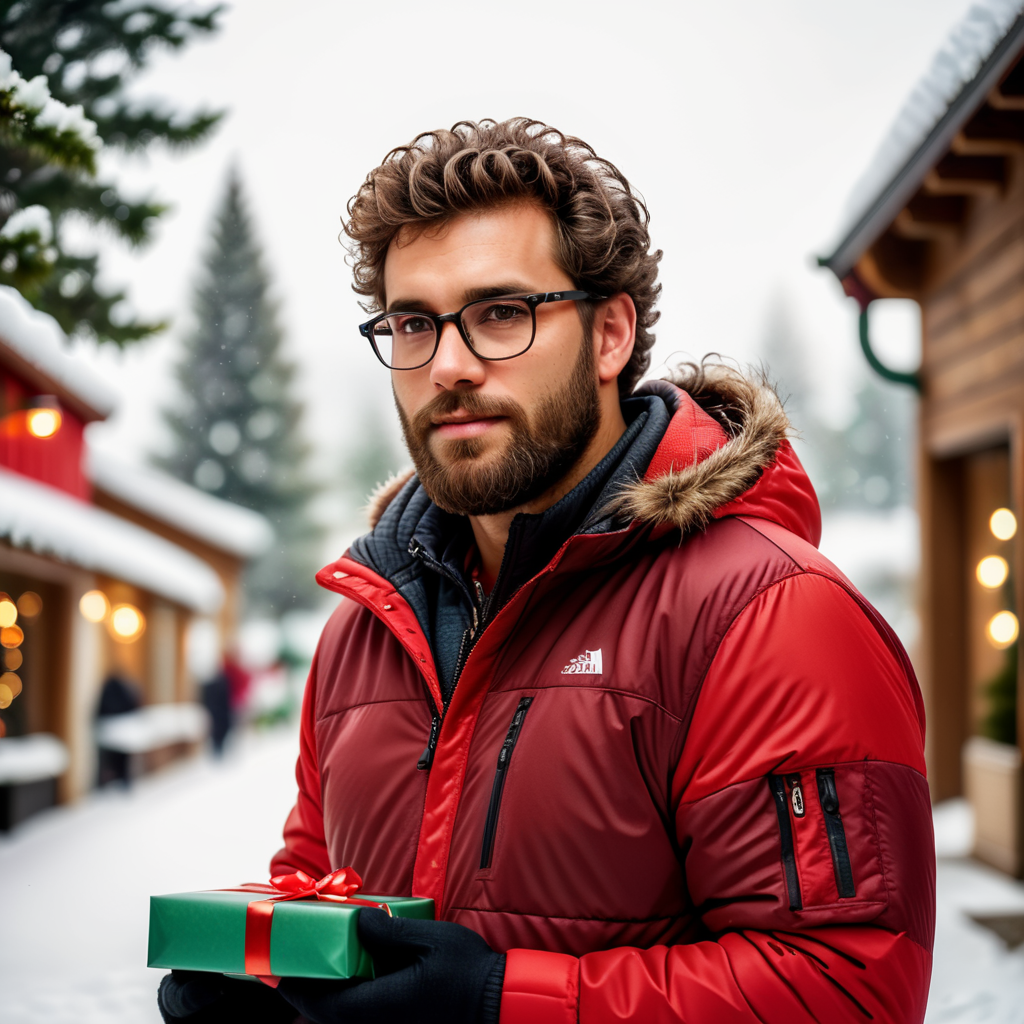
(744, 124)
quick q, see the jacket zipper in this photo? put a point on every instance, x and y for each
(829, 797)
(504, 756)
(777, 785)
(427, 757)
(469, 636)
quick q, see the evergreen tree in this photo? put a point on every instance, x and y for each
(785, 360)
(236, 427)
(59, 137)
(373, 458)
(869, 463)
(86, 53)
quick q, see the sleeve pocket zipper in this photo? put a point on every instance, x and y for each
(504, 757)
(829, 797)
(777, 784)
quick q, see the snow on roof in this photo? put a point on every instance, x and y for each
(220, 523)
(51, 523)
(39, 341)
(972, 42)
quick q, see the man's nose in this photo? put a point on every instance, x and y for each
(454, 364)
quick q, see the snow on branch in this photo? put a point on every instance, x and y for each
(32, 118)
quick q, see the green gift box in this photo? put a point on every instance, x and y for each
(309, 938)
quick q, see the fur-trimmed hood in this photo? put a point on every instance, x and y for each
(726, 452)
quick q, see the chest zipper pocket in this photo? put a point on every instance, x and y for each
(783, 799)
(504, 757)
(829, 797)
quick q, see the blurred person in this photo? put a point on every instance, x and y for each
(239, 683)
(593, 689)
(118, 696)
(216, 697)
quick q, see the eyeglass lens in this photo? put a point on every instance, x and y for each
(496, 328)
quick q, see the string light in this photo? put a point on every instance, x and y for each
(11, 636)
(43, 423)
(127, 623)
(8, 612)
(30, 604)
(992, 571)
(1003, 628)
(94, 605)
(13, 659)
(1003, 524)
(12, 682)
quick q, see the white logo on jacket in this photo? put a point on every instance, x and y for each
(587, 664)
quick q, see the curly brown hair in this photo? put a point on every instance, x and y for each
(601, 223)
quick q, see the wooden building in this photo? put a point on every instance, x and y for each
(104, 568)
(940, 220)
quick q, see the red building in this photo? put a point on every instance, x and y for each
(104, 568)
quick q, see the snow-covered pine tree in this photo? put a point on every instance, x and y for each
(236, 426)
(85, 54)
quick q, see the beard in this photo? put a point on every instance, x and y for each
(462, 478)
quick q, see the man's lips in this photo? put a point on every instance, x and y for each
(465, 426)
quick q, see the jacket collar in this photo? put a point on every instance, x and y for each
(715, 444)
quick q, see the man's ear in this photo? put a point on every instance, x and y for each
(614, 336)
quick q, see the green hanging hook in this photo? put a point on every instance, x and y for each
(896, 376)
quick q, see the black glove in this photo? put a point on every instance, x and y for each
(428, 972)
(200, 997)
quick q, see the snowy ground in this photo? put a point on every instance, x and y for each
(75, 883)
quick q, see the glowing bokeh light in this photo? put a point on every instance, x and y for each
(94, 605)
(43, 422)
(1003, 628)
(127, 622)
(12, 682)
(11, 636)
(1003, 524)
(5, 696)
(992, 571)
(13, 659)
(30, 604)
(8, 612)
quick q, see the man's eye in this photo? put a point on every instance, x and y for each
(414, 325)
(504, 312)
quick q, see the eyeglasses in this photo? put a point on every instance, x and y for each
(494, 329)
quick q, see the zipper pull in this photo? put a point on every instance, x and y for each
(796, 795)
(828, 793)
(482, 600)
(513, 733)
(427, 757)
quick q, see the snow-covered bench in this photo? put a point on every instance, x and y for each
(29, 769)
(157, 732)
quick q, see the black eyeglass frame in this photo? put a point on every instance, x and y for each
(440, 319)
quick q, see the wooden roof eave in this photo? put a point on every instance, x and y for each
(852, 262)
(44, 384)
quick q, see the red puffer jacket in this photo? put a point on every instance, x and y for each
(681, 777)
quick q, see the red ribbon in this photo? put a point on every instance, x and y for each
(337, 887)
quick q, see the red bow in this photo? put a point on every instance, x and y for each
(337, 887)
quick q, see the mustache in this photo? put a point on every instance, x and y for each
(449, 402)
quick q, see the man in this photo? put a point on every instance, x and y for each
(590, 686)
